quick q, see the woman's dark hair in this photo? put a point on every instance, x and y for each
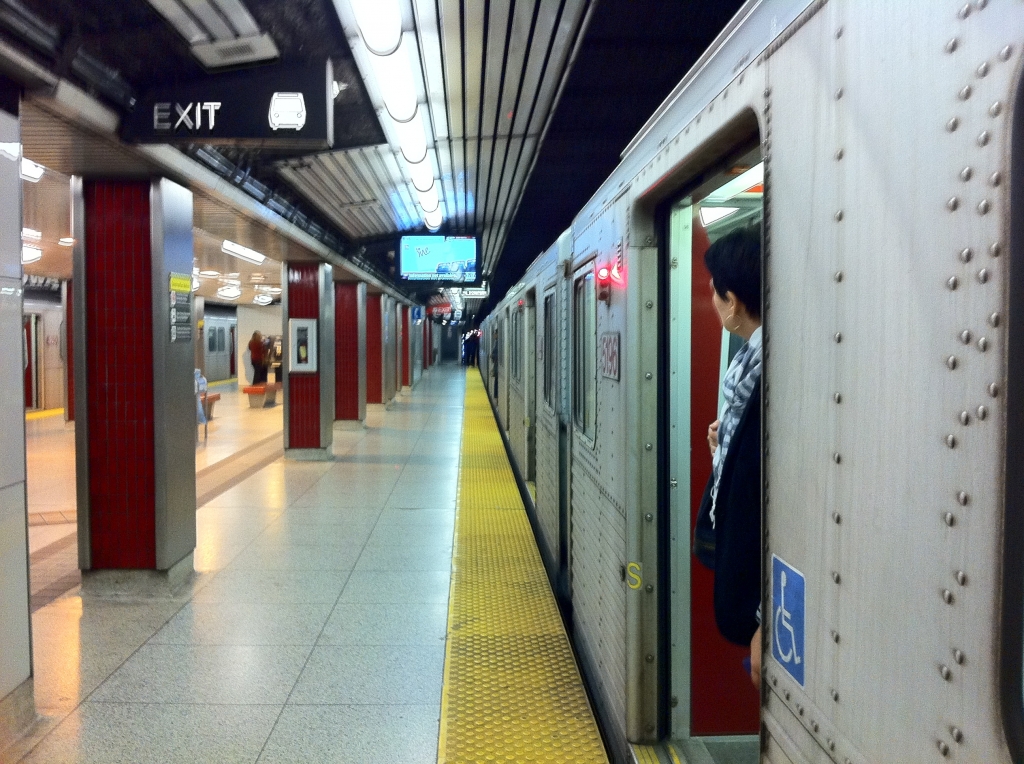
(735, 265)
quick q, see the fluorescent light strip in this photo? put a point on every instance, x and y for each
(428, 199)
(711, 215)
(30, 254)
(31, 234)
(752, 177)
(393, 70)
(242, 253)
(380, 24)
(31, 171)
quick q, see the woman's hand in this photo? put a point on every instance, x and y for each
(713, 436)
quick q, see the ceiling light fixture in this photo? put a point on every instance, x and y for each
(391, 63)
(209, 274)
(750, 179)
(711, 215)
(195, 283)
(395, 79)
(31, 234)
(242, 253)
(380, 24)
(263, 299)
(428, 199)
(66, 241)
(422, 174)
(31, 171)
(229, 292)
(412, 139)
(30, 254)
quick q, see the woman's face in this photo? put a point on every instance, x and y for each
(721, 306)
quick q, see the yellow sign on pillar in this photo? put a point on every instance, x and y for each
(181, 283)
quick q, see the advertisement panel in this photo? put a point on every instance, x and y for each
(438, 258)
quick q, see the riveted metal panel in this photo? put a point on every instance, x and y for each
(884, 485)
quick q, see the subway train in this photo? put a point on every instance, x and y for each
(879, 149)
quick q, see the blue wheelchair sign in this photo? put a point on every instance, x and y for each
(788, 618)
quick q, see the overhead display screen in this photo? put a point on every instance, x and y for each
(438, 258)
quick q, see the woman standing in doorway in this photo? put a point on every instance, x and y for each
(730, 512)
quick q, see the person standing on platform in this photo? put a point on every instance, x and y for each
(472, 345)
(258, 354)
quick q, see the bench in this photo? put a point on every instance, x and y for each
(262, 395)
(208, 400)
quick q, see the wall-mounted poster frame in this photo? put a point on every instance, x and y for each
(302, 335)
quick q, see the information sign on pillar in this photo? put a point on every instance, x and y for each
(308, 310)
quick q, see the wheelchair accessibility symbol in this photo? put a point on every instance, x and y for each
(788, 618)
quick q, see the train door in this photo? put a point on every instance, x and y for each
(530, 388)
(715, 709)
(232, 370)
(30, 348)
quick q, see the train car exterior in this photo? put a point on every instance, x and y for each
(219, 346)
(877, 146)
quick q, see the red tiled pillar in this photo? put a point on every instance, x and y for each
(374, 350)
(350, 352)
(405, 354)
(135, 429)
(309, 361)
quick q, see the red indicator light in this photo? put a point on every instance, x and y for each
(603, 274)
(521, 303)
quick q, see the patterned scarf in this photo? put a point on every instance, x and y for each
(743, 375)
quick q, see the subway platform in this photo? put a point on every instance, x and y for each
(389, 605)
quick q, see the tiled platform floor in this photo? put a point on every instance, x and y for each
(313, 630)
(239, 441)
(50, 451)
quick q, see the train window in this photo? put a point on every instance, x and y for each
(515, 340)
(585, 353)
(211, 344)
(221, 342)
(548, 348)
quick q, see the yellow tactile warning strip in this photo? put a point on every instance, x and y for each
(512, 690)
(645, 754)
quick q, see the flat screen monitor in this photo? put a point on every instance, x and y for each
(438, 258)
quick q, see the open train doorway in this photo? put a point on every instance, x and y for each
(714, 709)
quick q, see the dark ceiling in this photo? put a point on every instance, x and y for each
(632, 55)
